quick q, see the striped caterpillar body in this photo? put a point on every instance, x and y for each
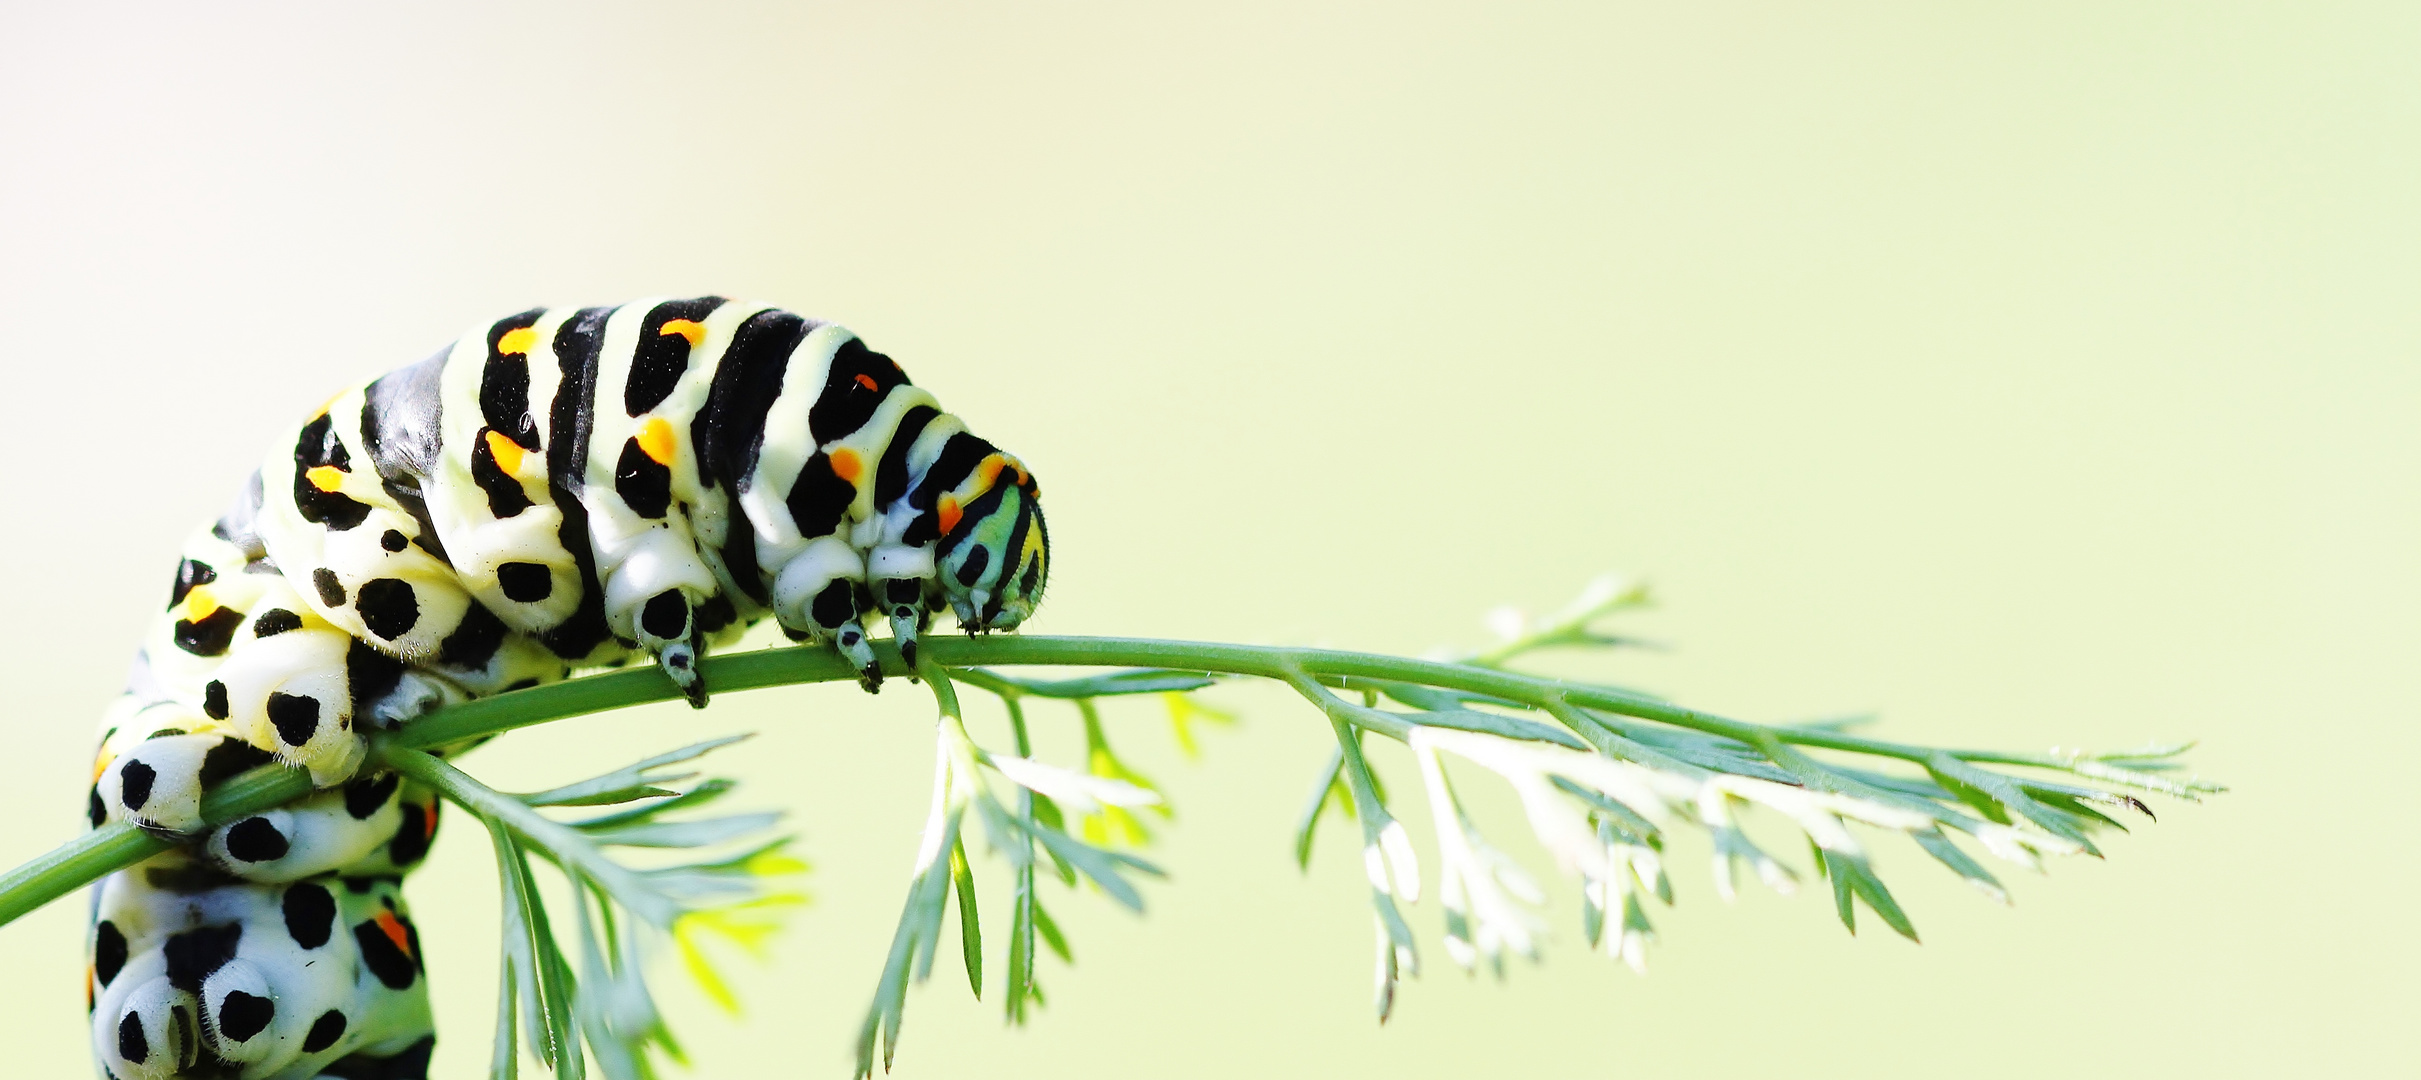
(561, 489)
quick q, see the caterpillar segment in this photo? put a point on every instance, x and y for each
(642, 485)
(320, 977)
(560, 489)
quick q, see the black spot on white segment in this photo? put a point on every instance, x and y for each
(310, 914)
(835, 605)
(132, 1045)
(324, 1031)
(644, 483)
(388, 607)
(365, 796)
(505, 497)
(211, 635)
(195, 954)
(295, 717)
(242, 1016)
(275, 621)
(134, 784)
(666, 616)
(331, 591)
(256, 839)
(819, 499)
(108, 951)
(525, 582)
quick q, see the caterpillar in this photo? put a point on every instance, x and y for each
(560, 489)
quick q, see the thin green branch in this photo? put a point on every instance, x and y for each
(563, 842)
(101, 851)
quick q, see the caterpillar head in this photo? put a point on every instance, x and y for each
(993, 560)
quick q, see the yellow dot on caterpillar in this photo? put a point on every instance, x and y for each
(325, 477)
(506, 452)
(846, 465)
(199, 604)
(948, 509)
(692, 329)
(516, 342)
(656, 438)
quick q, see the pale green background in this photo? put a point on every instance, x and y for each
(2029, 373)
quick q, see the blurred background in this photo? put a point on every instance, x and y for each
(2032, 376)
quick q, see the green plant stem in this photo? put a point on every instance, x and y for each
(99, 852)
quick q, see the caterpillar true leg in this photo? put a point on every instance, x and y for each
(668, 630)
(817, 592)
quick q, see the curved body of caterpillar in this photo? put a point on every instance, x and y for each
(563, 488)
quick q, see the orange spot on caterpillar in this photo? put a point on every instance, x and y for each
(948, 509)
(988, 473)
(846, 465)
(506, 452)
(428, 821)
(516, 342)
(692, 329)
(393, 927)
(325, 477)
(199, 604)
(867, 381)
(656, 436)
